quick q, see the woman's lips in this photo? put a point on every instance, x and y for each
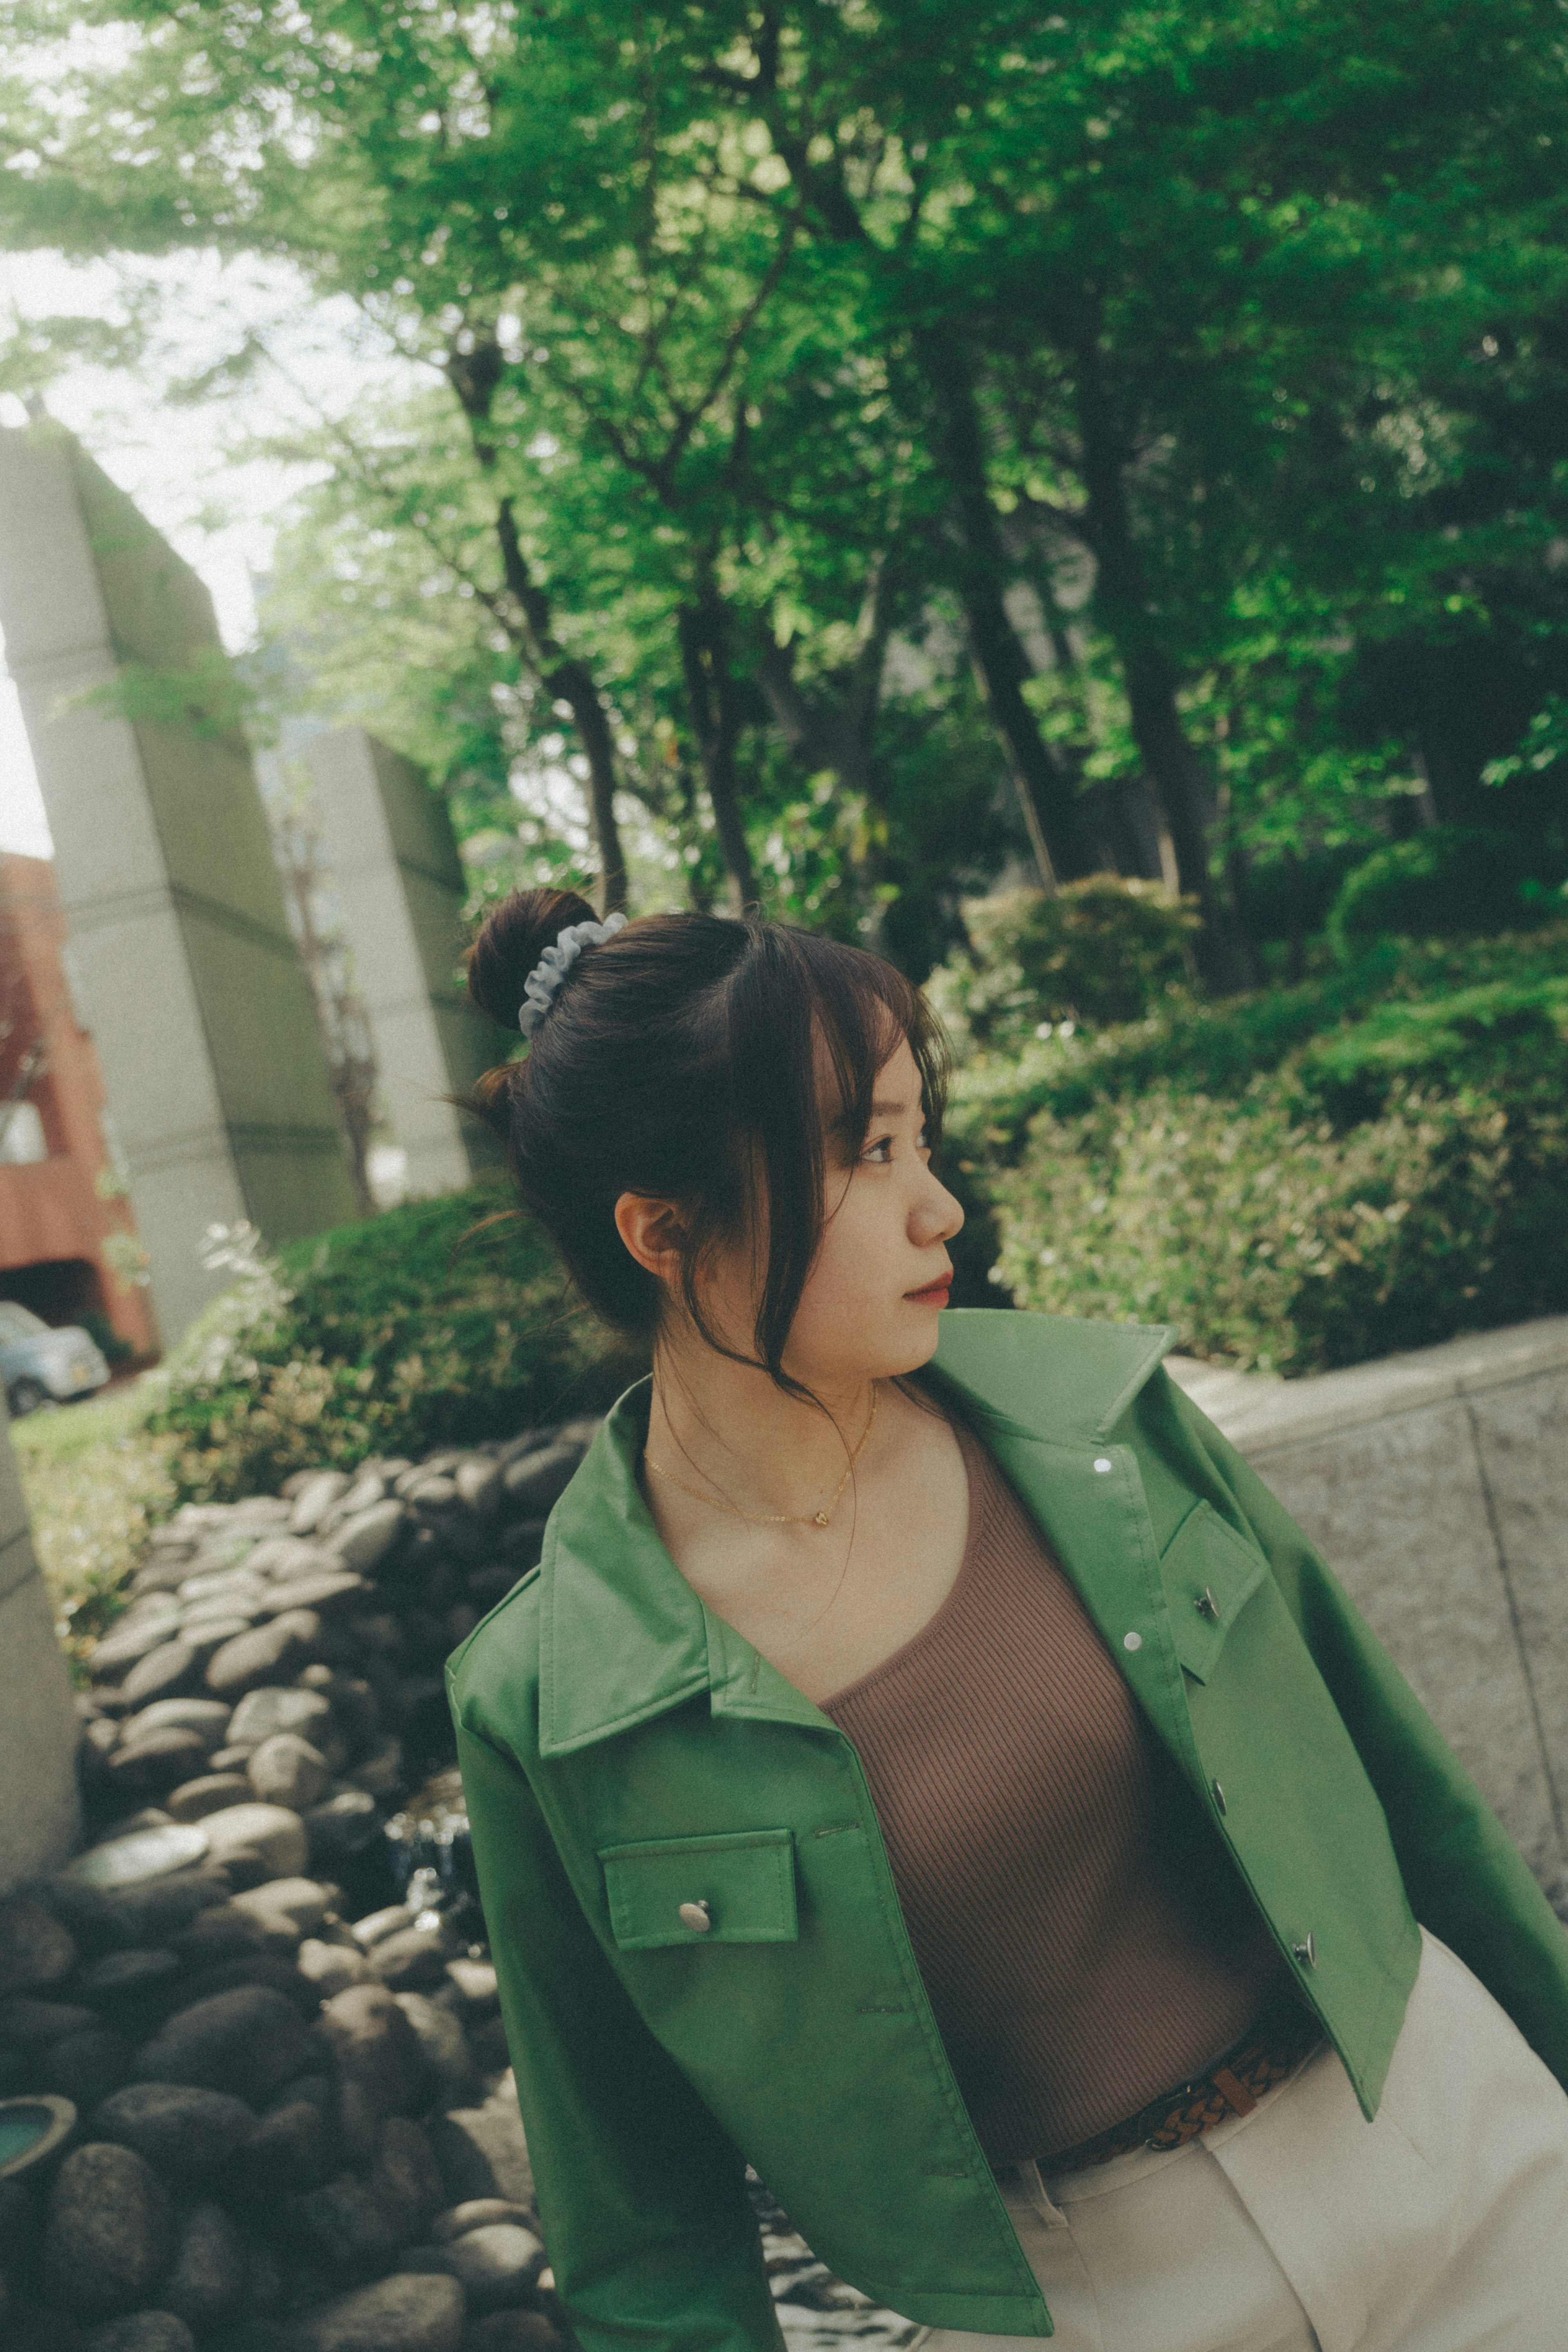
(934, 1293)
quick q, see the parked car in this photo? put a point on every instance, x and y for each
(38, 1366)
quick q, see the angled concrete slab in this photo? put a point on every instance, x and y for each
(399, 883)
(190, 983)
(39, 1814)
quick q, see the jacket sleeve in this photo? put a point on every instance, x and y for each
(1465, 1878)
(641, 2196)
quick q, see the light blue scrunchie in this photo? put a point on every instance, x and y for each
(541, 984)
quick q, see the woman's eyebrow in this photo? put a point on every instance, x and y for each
(888, 1109)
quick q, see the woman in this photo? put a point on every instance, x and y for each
(929, 1765)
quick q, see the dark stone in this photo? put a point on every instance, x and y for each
(514, 2331)
(346, 2226)
(120, 1976)
(84, 2067)
(185, 2133)
(286, 1770)
(396, 2314)
(265, 1969)
(412, 1958)
(140, 2331)
(272, 1833)
(210, 1716)
(536, 1482)
(166, 1906)
(377, 2049)
(35, 1949)
(481, 2151)
(163, 1673)
(341, 1828)
(496, 2265)
(93, 1920)
(157, 1760)
(330, 1590)
(406, 2180)
(454, 2081)
(267, 1655)
(18, 2222)
(262, 1712)
(353, 1703)
(210, 1793)
(223, 1933)
(480, 2213)
(109, 2234)
(206, 2282)
(293, 2147)
(246, 2041)
(367, 1540)
(523, 1542)
(35, 2023)
(30, 2327)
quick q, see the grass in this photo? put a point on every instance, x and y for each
(95, 1483)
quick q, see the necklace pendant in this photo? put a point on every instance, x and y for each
(822, 1518)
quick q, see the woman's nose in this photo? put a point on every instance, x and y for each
(937, 1216)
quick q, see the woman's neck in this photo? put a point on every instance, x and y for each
(727, 1430)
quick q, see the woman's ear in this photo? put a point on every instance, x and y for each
(653, 1232)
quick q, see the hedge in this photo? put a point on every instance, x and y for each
(441, 1323)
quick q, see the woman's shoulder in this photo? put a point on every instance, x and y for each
(492, 1677)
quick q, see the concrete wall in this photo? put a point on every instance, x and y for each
(38, 1728)
(199, 1010)
(396, 870)
(1435, 1485)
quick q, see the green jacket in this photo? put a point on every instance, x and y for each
(625, 1751)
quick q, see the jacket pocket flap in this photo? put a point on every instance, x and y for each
(1210, 1573)
(737, 1888)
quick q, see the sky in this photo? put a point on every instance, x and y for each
(186, 464)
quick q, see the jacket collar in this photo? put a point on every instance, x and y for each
(624, 1637)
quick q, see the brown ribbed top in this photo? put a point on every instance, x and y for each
(1084, 1937)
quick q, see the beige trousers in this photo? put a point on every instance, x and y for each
(1440, 2227)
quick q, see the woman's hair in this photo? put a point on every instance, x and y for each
(700, 1060)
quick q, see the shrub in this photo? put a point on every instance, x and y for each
(1450, 878)
(422, 1327)
(1099, 951)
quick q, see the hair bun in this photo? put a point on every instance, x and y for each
(512, 939)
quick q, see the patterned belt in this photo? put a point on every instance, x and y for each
(1269, 2050)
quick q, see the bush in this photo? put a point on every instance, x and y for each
(424, 1327)
(1099, 951)
(1269, 1241)
(1450, 878)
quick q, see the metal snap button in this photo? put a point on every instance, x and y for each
(1131, 1640)
(1103, 1465)
(1207, 1605)
(1307, 1953)
(1219, 1796)
(696, 1916)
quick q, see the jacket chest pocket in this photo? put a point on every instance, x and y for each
(1209, 1573)
(737, 1888)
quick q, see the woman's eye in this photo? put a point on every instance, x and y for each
(881, 1151)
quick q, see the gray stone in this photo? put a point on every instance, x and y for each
(534, 1482)
(140, 2331)
(223, 1584)
(365, 1541)
(262, 1713)
(266, 1654)
(475, 1981)
(292, 1904)
(286, 1770)
(496, 2264)
(406, 2178)
(331, 1968)
(477, 2214)
(381, 1774)
(377, 2049)
(445, 2051)
(412, 1958)
(136, 1857)
(120, 1977)
(396, 2314)
(481, 2151)
(481, 1483)
(210, 1716)
(293, 2147)
(164, 1907)
(122, 1649)
(161, 1674)
(109, 2231)
(347, 2227)
(376, 1925)
(157, 1759)
(183, 2131)
(35, 1949)
(207, 2283)
(341, 1828)
(271, 1831)
(249, 2042)
(210, 1793)
(84, 2067)
(329, 1591)
(223, 1933)
(315, 1499)
(36, 2023)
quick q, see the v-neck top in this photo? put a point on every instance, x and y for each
(1084, 1937)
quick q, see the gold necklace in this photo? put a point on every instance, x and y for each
(771, 1518)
